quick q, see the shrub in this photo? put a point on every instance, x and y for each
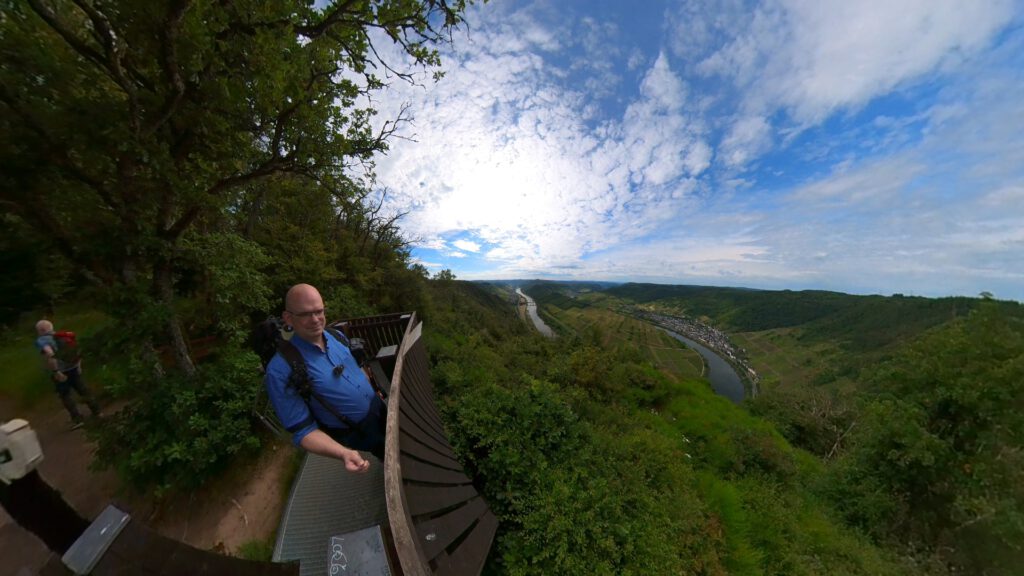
(181, 431)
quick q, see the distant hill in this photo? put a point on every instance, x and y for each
(571, 284)
(861, 323)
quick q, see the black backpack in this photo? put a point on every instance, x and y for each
(268, 338)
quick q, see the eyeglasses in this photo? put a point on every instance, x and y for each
(308, 314)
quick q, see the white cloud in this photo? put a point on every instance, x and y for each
(435, 243)
(812, 57)
(746, 139)
(466, 245)
(505, 150)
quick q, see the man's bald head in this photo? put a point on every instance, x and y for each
(299, 293)
(304, 311)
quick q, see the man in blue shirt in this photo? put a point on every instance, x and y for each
(339, 387)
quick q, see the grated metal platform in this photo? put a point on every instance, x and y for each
(326, 500)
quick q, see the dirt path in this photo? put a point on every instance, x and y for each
(242, 505)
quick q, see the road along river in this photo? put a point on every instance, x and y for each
(724, 379)
(531, 307)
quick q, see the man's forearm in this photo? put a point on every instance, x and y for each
(320, 443)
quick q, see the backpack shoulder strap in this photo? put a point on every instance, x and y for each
(338, 335)
(299, 380)
(299, 377)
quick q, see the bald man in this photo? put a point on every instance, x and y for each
(339, 387)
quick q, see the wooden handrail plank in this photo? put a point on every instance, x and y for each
(140, 550)
(422, 432)
(423, 423)
(424, 406)
(469, 558)
(420, 386)
(429, 499)
(437, 533)
(421, 451)
(419, 471)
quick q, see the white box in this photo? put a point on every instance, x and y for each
(20, 452)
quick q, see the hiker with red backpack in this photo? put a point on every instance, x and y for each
(321, 394)
(63, 360)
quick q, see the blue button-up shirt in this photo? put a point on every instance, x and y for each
(349, 393)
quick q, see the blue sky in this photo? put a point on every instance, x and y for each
(863, 147)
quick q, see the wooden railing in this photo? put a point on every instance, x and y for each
(377, 332)
(439, 523)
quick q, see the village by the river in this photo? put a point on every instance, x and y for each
(711, 337)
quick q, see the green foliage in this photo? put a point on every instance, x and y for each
(814, 419)
(513, 436)
(573, 499)
(342, 301)
(144, 139)
(861, 323)
(936, 461)
(232, 281)
(182, 431)
(35, 274)
(445, 275)
(920, 400)
(595, 462)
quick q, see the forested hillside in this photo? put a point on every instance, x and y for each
(912, 407)
(597, 461)
(860, 320)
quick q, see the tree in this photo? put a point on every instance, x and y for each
(129, 124)
(445, 275)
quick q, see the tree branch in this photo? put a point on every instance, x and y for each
(115, 51)
(76, 44)
(334, 17)
(835, 447)
(169, 61)
(56, 154)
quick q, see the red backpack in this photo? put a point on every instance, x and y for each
(67, 347)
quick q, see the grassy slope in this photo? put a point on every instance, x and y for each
(615, 330)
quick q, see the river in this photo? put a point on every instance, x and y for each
(724, 379)
(531, 307)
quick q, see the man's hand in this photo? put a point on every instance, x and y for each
(354, 462)
(59, 376)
